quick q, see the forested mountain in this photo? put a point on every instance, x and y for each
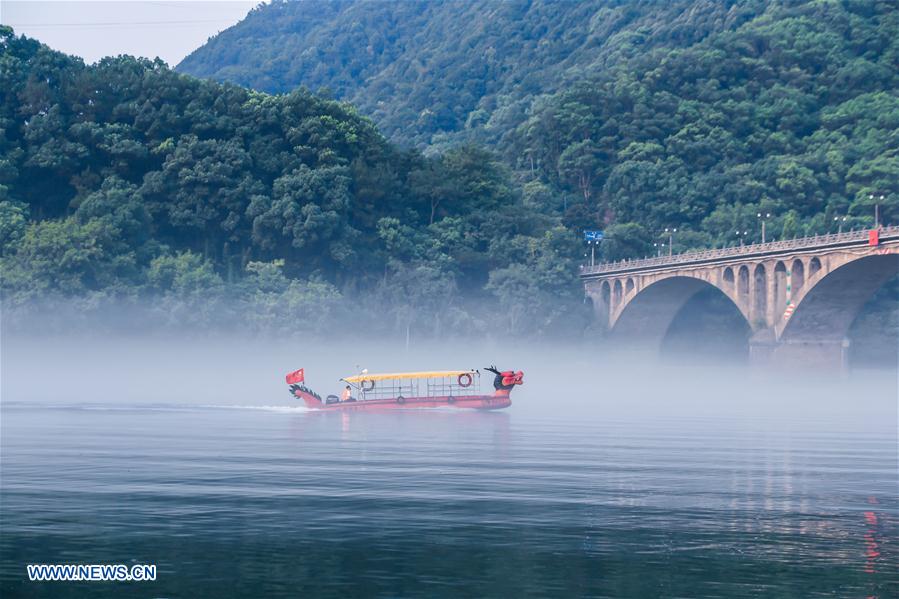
(631, 116)
(125, 180)
(432, 72)
(794, 113)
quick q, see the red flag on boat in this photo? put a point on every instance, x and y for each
(297, 376)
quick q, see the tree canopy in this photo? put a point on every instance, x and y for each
(688, 114)
(126, 180)
(435, 73)
(533, 120)
(794, 113)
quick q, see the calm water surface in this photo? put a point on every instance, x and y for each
(536, 501)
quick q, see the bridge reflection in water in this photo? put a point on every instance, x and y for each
(798, 297)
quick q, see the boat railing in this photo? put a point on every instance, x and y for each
(389, 389)
(450, 386)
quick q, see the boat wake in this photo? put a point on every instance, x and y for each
(279, 409)
(90, 407)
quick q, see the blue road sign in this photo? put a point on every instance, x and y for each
(592, 235)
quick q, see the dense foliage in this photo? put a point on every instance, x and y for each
(125, 180)
(434, 73)
(629, 116)
(795, 113)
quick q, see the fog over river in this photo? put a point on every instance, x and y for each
(607, 476)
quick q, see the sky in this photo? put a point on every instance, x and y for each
(169, 29)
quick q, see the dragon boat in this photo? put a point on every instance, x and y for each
(404, 390)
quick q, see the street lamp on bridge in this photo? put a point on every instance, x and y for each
(592, 237)
(741, 235)
(671, 233)
(841, 220)
(763, 217)
(876, 209)
(658, 247)
(592, 252)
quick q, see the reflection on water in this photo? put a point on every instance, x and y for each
(535, 501)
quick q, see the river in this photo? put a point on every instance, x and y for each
(667, 485)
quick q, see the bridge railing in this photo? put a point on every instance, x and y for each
(801, 243)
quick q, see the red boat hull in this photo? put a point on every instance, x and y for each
(500, 399)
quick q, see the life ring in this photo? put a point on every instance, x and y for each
(400, 400)
(466, 377)
(368, 387)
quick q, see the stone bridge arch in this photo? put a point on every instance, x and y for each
(831, 299)
(645, 316)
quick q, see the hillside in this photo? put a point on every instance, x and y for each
(631, 116)
(125, 181)
(431, 73)
(794, 113)
(787, 108)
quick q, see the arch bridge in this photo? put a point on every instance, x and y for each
(799, 297)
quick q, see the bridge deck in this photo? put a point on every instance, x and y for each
(789, 246)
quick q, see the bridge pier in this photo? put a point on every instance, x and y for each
(830, 356)
(762, 346)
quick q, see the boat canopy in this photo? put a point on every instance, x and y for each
(408, 375)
